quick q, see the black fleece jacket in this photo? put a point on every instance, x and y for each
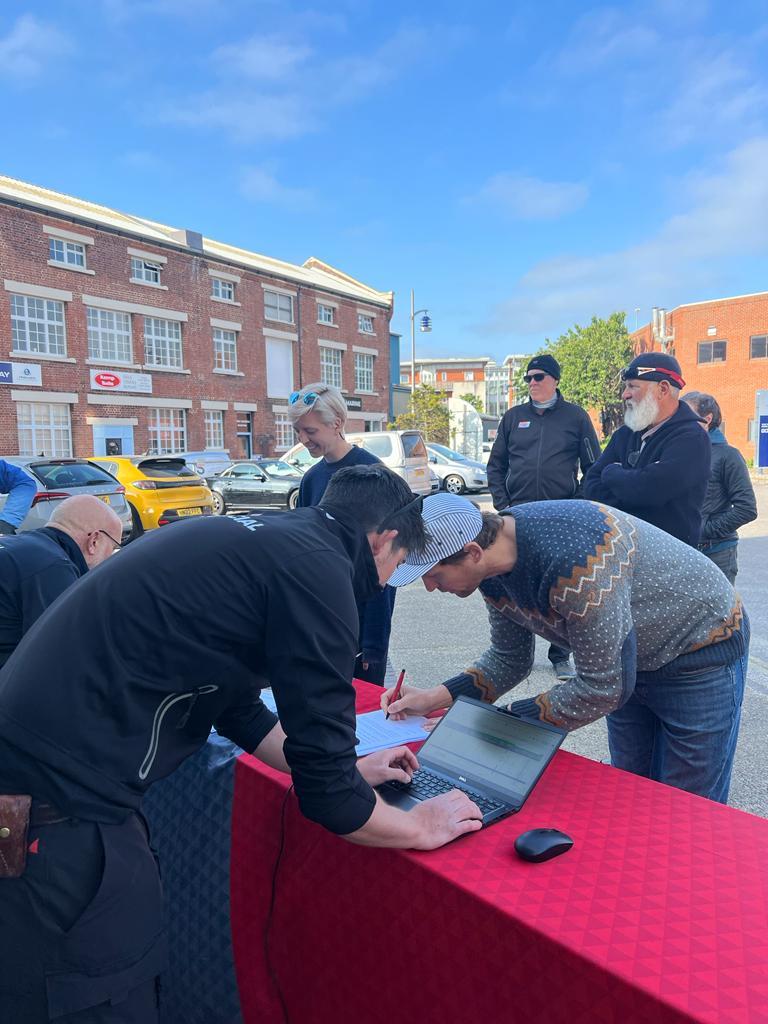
(123, 677)
(662, 480)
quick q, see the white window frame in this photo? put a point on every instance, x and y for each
(38, 326)
(109, 333)
(326, 315)
(364, 363)
(284, 437)
(144, 271)
(469, 375)
(172, 422)
(44, 427)
(214, 428)
(331, 366)
(280, 299)
(224, 350)
(364, 319)
(169, 338)
(220, 286)
(64, 253)
(404, 378)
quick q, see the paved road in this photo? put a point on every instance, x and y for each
(436, 635)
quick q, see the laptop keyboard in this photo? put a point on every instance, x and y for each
(425, 784)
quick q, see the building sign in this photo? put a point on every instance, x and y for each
(119, 380)
(353, 404)
(21, 373)
(761, 417)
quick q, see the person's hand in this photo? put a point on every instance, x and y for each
(395, 765)
(446, 817)
(413, 701)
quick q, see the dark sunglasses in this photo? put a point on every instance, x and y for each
(534, 376)
(418, 500)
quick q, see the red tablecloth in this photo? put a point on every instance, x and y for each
(659, 913)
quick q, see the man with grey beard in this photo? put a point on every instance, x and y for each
(656, 466)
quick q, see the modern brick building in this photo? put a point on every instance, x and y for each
(123, 334)
(722, 348)
(481, 376)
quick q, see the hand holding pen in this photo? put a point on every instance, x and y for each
(396, 692)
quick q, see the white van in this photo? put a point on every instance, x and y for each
(402, 451)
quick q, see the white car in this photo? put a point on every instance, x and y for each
(457, 473)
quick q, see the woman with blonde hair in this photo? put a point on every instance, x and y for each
(318, 413)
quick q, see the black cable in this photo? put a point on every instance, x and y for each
(268, 925)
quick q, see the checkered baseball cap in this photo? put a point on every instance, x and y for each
(451, 522)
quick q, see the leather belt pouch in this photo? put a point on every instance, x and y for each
(14, 827)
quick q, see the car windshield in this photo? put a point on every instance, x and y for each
(71, 474)
(165, 468)
(448, 453)
(277, 468)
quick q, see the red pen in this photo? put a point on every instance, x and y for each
(398, 688)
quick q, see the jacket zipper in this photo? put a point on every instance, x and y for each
(162, 709)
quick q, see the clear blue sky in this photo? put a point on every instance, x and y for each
(522, 166)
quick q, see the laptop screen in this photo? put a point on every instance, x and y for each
(490, 750)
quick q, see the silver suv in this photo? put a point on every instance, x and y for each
(57, 479)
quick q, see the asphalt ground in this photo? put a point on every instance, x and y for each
(434, 636)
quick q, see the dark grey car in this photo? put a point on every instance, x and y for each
(57, 479)
(261, 483)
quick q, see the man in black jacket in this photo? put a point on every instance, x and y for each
(730, 499)
(656, 466)
(37, 566)
(537, 452)
(122, 679)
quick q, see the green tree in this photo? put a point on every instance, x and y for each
(591, 359)
(474, 400)
(428, 413)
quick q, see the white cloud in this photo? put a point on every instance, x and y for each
(260, 186)
(603, 36)
(243, 117)
(687, 259)
(29, 46)
(526, 198)
(268, 58)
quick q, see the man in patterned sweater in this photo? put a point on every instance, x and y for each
(659, 637)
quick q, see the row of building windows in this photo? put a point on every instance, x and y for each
(45, 428)
(38, 328)
(716, 351)
(278, 306)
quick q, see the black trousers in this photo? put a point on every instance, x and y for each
(726, 560)
(81, 931)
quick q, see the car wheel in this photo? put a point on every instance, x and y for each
(293, 499)
(219, 508)
(454, 484)
(136, 529)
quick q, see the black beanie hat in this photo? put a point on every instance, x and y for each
(655, 366)
(546, 364)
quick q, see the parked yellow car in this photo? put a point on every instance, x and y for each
(159, 489)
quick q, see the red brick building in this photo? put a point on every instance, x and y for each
(722, 348)
(120, 330)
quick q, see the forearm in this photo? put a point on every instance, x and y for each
(270, 750)
(389, 826)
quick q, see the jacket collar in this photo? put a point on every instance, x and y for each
(716, 436)
(365, 575)
(551, 408)
(70, 547)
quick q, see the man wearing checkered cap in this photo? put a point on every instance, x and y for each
(661, 654)
(657, 465)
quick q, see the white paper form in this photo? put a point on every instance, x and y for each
(374, 732)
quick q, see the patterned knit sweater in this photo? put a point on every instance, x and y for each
(624, 596)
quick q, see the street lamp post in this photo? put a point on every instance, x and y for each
(425, 327)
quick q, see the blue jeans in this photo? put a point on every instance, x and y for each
(682, 729)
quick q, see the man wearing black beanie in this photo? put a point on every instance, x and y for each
(656, 466)
(537, 452)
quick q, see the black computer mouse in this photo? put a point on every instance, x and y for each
(540, 844)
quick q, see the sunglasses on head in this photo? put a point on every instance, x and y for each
(417, 500)
(534, 376)
(308, 399)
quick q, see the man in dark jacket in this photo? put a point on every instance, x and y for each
(730, 500)
(37, 566)
(121, 680)
(537, 452)
(656, 466)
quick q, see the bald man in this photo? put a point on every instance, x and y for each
(37, 566)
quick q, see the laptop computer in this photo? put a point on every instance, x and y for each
(492, 756)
